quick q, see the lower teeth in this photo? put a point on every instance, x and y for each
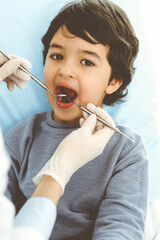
(60, 99)
(63, 100)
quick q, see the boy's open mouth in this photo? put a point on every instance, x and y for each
(71, 94)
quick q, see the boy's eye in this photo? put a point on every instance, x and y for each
(57, 56)
(87, 62)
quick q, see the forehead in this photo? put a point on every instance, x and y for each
(63, 34)
(66, 39)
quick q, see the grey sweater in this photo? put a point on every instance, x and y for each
(105, 199)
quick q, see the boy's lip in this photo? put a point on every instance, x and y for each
(61, 104)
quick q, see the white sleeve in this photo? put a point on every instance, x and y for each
(152, 228)
(7, 210)
(36, 218)
(37, 215)
(25, 233)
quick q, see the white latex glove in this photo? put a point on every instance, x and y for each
(10, 73)
(78, 148)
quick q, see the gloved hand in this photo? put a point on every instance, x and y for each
(78, 148)
(10, 73)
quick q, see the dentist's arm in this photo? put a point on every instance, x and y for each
(78, 148)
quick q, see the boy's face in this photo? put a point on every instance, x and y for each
(79, 69)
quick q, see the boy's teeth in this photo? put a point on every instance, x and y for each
(60, 99)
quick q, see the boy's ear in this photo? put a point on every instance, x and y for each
(113, 86)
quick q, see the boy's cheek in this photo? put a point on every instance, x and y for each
(92, 95)
(47, 74)
(91, 99)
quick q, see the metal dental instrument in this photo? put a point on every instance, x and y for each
(100, 119)
(35, 79)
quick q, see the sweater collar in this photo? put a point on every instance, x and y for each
(54, 124)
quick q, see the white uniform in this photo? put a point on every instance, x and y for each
(36, 218)
(153, 221)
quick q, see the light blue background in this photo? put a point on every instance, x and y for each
(23, 23)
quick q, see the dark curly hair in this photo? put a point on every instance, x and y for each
(108, 24)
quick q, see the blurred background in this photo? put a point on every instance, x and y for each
(23, 23)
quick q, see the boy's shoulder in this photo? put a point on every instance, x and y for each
(128, 131)
(137, 144)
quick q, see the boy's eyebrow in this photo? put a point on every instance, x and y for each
(94, 54)
(55, 46)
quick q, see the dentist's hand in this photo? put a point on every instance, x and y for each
(10, 73)
(78, 148)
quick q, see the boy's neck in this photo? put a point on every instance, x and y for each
(73, 122)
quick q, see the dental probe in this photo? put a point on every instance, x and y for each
(35, 79)
(100, 119)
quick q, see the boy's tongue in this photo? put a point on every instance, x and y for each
(71, 94)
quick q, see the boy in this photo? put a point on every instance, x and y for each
(89, 50)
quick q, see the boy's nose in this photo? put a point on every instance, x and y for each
(66, 70)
